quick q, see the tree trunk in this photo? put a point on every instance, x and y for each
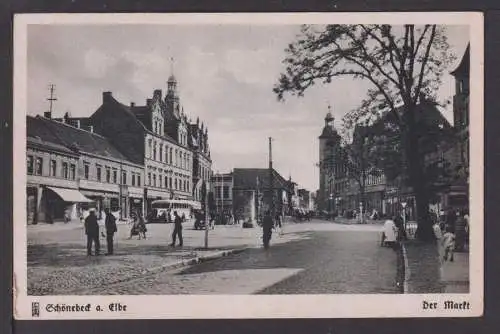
(415, 168)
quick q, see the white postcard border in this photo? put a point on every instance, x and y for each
(251, 306)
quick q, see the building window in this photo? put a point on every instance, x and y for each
(72, 171)
(138, 180)
(170, 156)
(86, 171)
(149, 179)
(115, 176)
(29, 164)
(166, 181)
(154, 151)
(98, 172)
(166, 154)
(65, 170)
(53, 167)
(124, 177)
(175, 184)
(149, 148)
(39, 166)
(170, 182)
(154, 180)
(160, 181)
(133, 179)
(225, 192)
(176, 161)
(161, 153)
(188, 187)
(108, 174)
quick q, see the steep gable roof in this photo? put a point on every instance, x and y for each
(80, 140)
(246, 178)
(39, 134)
(463, 68)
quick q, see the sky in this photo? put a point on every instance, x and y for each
(225, 77)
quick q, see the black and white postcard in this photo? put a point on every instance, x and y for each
(248, 165)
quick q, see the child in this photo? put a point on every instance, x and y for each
(448, 243)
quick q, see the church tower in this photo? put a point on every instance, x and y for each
(329, 144)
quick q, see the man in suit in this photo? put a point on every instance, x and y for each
(92, 232)
(110, 224)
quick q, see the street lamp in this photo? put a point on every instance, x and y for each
(403, 204)
(330, 202)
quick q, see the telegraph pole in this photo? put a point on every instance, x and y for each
(51, 99)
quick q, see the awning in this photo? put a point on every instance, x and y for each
(70, 195)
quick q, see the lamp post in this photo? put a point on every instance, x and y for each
(330, 199)
(403, 204)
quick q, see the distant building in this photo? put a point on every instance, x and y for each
(251, 193)
(222, 188)
(331, 167)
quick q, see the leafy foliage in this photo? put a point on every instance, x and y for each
(404, 64)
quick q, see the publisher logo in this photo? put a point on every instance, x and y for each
(35, 309)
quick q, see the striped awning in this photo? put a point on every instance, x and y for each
(70, 195)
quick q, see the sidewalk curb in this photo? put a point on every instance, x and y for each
(406, 269)
(196, 260)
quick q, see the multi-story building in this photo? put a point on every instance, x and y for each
(222, 188)
(80, 169)
(159, 136)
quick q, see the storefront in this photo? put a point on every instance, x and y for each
(62, 204)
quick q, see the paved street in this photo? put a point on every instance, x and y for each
(315, 258)
(57, 261)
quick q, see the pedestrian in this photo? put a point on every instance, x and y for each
(267, 229)
(110, 224)
(460, 232)
(141, 226)
(92, 232)
(279, 224)
(398, 220)
(448, 244)
(177, 230)
(389, 233)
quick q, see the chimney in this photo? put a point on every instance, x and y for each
(157, 93)
(91, 128)
(132, 104)
(106, 97)
(47, 114)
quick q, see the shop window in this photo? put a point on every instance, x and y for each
(65, 170)
(29, 164)
(53, 167)
(39, 166)
(73, 171)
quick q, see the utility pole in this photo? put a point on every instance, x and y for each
(51, 99)
(271, 183)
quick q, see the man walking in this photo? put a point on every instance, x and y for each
(267, 229)
(110, 224)
(177, 229)
(92, 232)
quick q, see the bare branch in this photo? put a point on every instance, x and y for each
(424, 63)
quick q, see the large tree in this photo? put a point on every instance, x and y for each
(403, 64)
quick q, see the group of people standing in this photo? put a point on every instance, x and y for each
(91, 226)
